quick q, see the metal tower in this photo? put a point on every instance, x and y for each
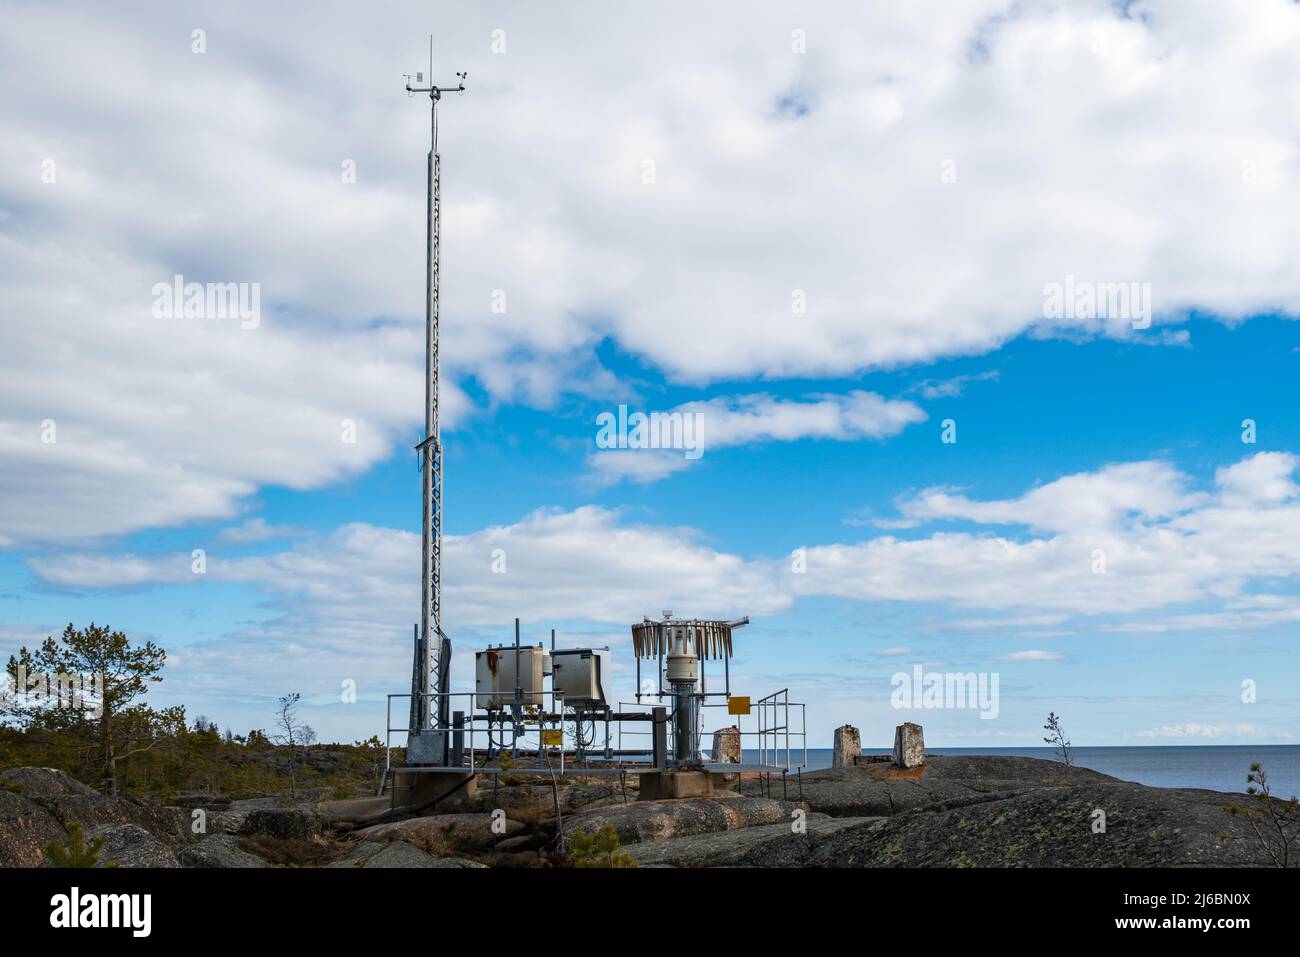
(427, 740)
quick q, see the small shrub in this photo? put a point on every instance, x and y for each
(76, 852)
(601, 849)
(1276, 823)
(1057, 737)
(507, 761)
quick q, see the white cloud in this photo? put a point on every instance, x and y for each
(748, 419)
(583, 565)
(610, 466)
(342, 605)
(953, 387)
(1098, 500)
(144, 422)
(1075, 133)
(1261, 479)
(1174, 547)
(1193, 729)
(1159, 544)
(762, 418)
(1033, 654)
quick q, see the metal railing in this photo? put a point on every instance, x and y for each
(483, 735)
(772, 738)
(774, 728)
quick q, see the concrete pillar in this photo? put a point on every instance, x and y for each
(847, 746)
(726, 745)
(909, 745)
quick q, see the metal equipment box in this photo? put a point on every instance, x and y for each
(579, 676)
(494, 676)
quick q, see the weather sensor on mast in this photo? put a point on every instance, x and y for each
(430, 718)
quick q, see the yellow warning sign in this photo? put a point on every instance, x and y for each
(553, 739)
(738, 704)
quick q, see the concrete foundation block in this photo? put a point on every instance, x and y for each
(666, 785)
(414, 789)
(847, 746)
(909, 745)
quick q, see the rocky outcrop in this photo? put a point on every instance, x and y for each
(951, 812)
(94, 810)
(372, 854)
(1009, 812)
(880, 790)
(535, 803)
(1053, 827)
(662, 820)
(39, 805)
(764, 845)
(283, 822)
(208, 802)
(246, 805)
(218, 850)
(25, 829)
(444, 835)
(130, 845)
(43, 782)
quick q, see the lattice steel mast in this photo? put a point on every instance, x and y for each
(431, 672)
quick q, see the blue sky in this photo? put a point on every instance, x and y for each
(649, 236)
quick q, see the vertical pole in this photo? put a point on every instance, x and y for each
(519, 691)
(660, 736)
(431, 665)
(458, 738)
(415, 678)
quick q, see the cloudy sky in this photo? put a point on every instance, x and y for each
(841, 235)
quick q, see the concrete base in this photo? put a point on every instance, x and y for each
(846, 747)
(909, 745)
(411, 788)
(666, 785)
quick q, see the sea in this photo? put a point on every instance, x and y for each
(1214, 767)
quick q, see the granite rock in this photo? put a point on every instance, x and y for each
(661, 820)
(444, 834)
(218, 850)
(130, 845)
